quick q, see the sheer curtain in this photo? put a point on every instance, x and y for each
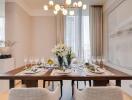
(77, 34)
(2, 28)
(96, 34)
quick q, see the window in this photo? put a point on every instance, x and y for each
(77, 35)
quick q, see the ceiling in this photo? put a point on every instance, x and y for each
(35, 7)
(37, 4)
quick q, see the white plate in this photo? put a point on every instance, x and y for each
(31, 72)
(98, 71)
(63, 72)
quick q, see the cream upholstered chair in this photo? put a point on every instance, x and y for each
(34, 94)
(101, 93)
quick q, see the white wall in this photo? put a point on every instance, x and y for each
(118, 46)
(18, 28)
(44, 35)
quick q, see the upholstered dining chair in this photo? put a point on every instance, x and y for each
(34, 94)
(101, 93)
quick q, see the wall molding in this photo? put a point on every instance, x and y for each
(113, 6)
(108, 10)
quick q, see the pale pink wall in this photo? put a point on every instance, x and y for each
(18, 28)
(44, 35)
(35, 36)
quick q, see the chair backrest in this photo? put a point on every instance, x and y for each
(99, 93)
(34, 94)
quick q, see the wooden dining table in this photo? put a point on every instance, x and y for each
(32, 80)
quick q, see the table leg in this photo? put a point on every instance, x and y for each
(100, 82)
(30, 83)
(11, 84)
(118, 83)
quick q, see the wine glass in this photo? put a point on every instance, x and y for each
(31, 60)
(36, 61)
(42, 61)
(25, 62)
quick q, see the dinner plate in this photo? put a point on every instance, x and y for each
(63, 72)
(31, 71)
(98, 71)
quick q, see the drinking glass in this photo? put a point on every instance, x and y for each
(31, 60)
(25, 62)
(42, 61)
(36, 61)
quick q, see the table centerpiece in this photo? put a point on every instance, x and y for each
(60, 51)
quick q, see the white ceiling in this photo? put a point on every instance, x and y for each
(37, 4)
(35, 7)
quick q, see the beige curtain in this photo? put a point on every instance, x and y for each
(60, 28)
(96, 33)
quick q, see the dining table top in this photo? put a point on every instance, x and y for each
(48, 75)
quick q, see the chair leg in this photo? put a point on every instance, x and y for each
(72, 83)
(44, 83)
(61, 84)
(48, 83)
(85, 83)
(77, 84)
(90, 83)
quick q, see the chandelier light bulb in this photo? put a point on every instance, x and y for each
(55, 12)
(51, 3)
(75, 4)
(79, 3)
(64, 12)
(64, 7)
(45, 7)
(71, 12)
(57, 7)
(68, 2)
(84, 7)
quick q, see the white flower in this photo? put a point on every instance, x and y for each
(60, 50)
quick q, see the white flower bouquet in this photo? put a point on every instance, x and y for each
(70, 55)
(60, 50)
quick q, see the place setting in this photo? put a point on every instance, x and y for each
(93, 69)
(37, 67)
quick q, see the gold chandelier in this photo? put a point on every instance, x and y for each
(63, 8)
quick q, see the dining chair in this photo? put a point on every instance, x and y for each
(101, 93)
(34, 94)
